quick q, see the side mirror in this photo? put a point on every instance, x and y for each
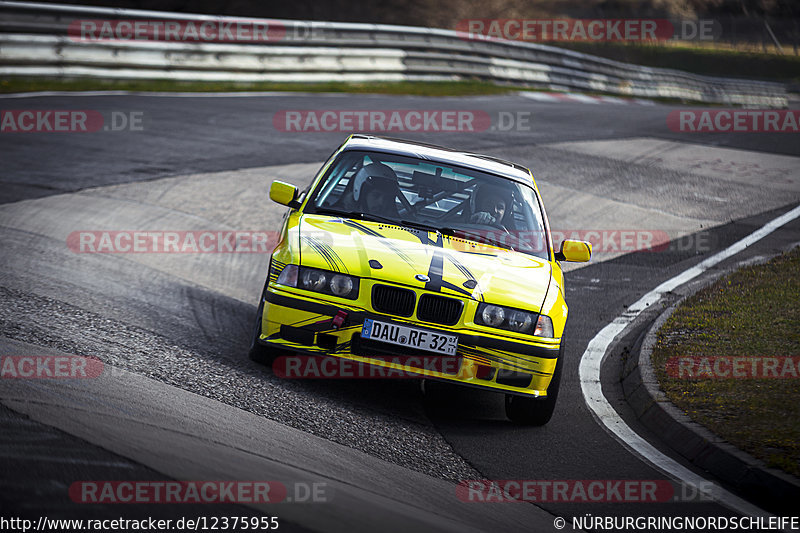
(284, 194)
(574, 251)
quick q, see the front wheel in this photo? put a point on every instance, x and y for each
(258, 352)
(534, 411)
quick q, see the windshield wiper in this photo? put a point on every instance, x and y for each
(355, 214)
(420, 225)
(376, 218)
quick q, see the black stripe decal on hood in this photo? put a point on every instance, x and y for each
(383, 239)
(330, 256)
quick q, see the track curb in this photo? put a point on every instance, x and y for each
(770, 488)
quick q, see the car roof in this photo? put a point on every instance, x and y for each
(420, 150)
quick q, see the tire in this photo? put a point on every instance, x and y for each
(258, 352)
(534, 411)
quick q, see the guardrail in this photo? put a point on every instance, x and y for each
(34, 41)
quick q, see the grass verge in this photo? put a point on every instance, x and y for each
(702, 60)
(450, 88)
(752, 313)
(435, 89)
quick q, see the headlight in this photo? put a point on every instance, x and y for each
(493, 315)
(341, 285)
(520, 321)
(314, 279)
(513, 320)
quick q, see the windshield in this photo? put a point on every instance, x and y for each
(431, 195)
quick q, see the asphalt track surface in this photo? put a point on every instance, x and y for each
(187, 404)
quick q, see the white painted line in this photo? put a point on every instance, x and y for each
(583, 98)
(578, 97)
(614, 100)
(595, 354)
(541, 97)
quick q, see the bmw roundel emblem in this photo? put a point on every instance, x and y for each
(422, 277)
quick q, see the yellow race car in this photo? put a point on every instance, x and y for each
(425, 260)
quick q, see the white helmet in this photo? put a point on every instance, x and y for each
(373, 170)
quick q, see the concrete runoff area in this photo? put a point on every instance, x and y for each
(202, 439)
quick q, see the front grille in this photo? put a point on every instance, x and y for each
(393, 300)
(439, 309)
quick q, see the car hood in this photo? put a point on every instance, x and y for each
(406, 256)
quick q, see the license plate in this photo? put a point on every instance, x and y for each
(421, 339)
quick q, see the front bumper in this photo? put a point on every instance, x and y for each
(304, 323)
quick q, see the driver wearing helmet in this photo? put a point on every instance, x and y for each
(491, 205)
(375, 190)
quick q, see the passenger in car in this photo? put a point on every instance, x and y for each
(491, 207)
